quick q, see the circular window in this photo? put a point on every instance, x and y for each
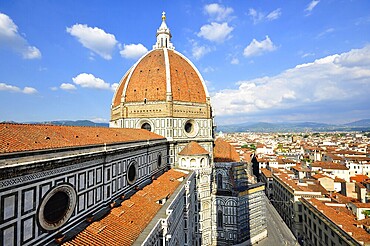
(146, 126)
(191, 128)
(159, 160)
(131, 173)
(57, 207)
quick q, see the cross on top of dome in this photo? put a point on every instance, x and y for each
(163, 35)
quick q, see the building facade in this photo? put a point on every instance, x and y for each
(239, 207)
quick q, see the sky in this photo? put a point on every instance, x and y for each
(263, 61)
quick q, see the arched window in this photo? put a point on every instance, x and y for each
(219, 181)
(202, 162)
(220, 220)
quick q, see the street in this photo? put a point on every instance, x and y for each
(277, 231)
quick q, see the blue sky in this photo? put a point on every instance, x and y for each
(271, 61)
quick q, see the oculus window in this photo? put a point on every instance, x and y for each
(57, 207)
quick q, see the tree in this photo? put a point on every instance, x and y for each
(366, 213)
(252, 146)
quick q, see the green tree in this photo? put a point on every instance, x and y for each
(366, 213)
(252, 146)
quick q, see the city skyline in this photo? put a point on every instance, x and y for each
(295, 61)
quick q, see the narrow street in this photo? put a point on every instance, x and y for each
(278, 232)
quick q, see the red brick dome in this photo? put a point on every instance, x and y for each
(159, 74)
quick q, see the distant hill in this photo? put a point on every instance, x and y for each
(73, 123)
(361, 125)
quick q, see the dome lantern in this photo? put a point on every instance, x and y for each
(163, 36)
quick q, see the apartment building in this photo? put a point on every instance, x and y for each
(330, 223)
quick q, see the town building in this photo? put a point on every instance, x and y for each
(286, 192)
(326, 222)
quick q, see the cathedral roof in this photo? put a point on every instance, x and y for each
(123, 224)
(26, 137)
(224, 152)
(193, 148)
(162, 74)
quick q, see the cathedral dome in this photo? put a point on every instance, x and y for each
(162, 74)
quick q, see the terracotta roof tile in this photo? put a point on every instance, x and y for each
(118, 95)
(185, 83)
(266, 172)
(292, 183)
(339, 198)
(319, 176)
(299, 168)
(359, 178)
(123, 225)
(27, 137)
(148, 80)
(329, 165)
(339, 180)
(224, 152)
(193, 148)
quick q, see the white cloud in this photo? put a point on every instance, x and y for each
(12, 88)
(216, 32)
(331, 84)
(274, 14)
(218, 12)
(311, 6)
(208, 69)
(307, 55)
(95, 39)
(29, 90)
(10, 38)
(90, 81)
(256, 48)
(258, 17)
(67, 86)
(198, 51)
(86, 80)
(255, 15)
(133, 51)
(327, 31)
(234, 61)
(114, 86)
